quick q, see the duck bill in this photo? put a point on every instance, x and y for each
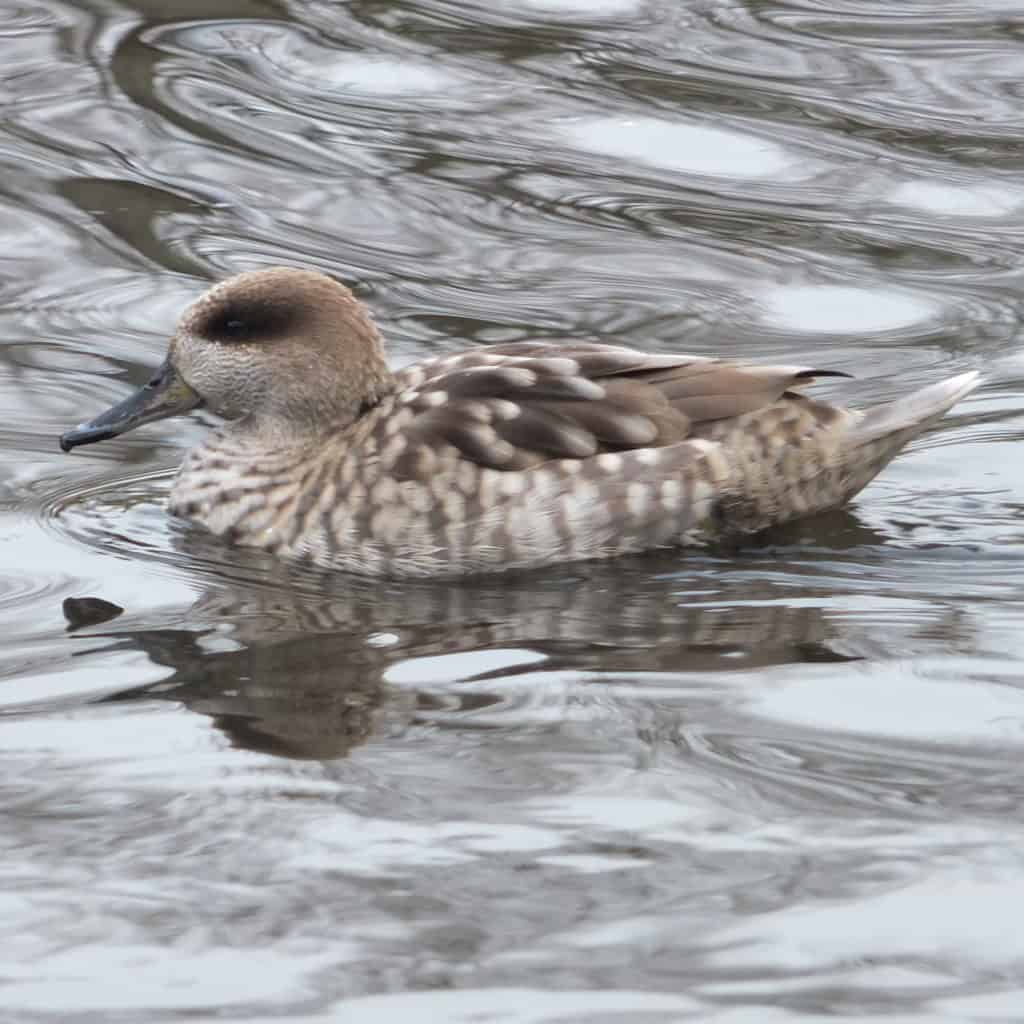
(165, 395)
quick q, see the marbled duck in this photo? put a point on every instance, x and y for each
(505, 457)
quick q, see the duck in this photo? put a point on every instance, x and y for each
(503, 457)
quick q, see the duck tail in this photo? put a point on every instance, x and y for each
(903, 419)
(877, 435)
(827, 473)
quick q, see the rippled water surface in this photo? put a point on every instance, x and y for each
(782, 784)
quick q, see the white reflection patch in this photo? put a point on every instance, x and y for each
(379, 76)
(920, 709)
(949, 915)
(512, 1006)
(678, 146)
(957, 200)
(837, 308)
(582, 8)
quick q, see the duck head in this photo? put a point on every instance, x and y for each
(288, 352)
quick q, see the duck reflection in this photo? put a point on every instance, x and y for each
(301, 668)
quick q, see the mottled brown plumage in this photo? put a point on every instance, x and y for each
(511, 456)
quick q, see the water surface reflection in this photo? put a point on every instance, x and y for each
(774, 784)
(312, 677)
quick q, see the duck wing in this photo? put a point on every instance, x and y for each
(509, 407)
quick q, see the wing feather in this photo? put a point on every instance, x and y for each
(511, 406)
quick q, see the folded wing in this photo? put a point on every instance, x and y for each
(510, 407)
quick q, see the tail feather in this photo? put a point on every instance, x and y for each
(913, 413)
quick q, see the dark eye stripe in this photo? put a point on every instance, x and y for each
(247, 322)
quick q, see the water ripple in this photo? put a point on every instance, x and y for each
(732, 785)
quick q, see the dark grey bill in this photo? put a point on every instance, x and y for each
(165, 395)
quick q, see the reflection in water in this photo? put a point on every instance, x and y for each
(691, 149)
(316, 667)
(308, 679)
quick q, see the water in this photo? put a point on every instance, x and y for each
(773, 786)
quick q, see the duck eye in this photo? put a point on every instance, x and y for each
(233, 328)
(245, 322)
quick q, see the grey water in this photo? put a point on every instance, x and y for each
(780, 784)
